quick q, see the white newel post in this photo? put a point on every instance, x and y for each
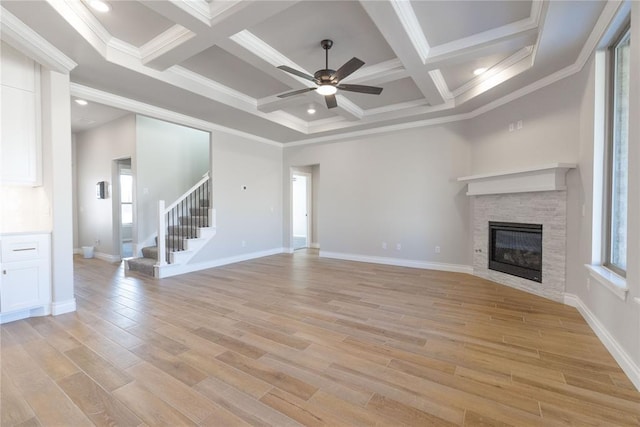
(161, 235)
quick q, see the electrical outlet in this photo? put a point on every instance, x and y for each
(97, 242)
(398, 247)
(519, 124)
(511, 127)
(437, 249)
(384, 245)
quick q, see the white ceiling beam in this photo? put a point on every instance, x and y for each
(514, 35)
(377, 74)
(231, 18)
(388, 21)
(20, 36)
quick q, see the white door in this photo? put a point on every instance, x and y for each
(300, 210)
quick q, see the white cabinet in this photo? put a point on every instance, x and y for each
(25, 276)
(20, 132)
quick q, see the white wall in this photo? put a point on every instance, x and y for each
(170, 159)
(550, 122)
(96, 149)
(398, 188)
(253, 215)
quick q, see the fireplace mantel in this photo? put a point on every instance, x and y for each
(542, 178)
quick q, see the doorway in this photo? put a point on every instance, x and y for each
(301, 209)
(124, 197)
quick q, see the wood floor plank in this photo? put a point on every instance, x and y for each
(170, 364)
(102, 372)
(50, 360)
(217, 369)
(100, 406)
(294, 339)
(149, 407)
(264, 372)
(14, 409)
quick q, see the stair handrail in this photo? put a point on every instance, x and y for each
(163, 211)
(204, 179)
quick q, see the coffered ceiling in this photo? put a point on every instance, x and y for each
(216, 60)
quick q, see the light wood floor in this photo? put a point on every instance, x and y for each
(298, 340)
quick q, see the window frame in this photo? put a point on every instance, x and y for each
(624, 32)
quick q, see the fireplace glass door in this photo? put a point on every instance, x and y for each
(516, 249)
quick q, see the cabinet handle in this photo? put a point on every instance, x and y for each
(24, 249)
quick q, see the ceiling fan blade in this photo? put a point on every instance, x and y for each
(296, 92)
(361, 88)
(349, 67)
(331, 101)
(296, 72)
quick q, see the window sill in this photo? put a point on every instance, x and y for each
(616, 284)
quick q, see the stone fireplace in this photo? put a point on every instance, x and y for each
(529, 208)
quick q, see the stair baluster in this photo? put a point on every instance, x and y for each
(183, 218)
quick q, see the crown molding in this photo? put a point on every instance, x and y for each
(81, 19)
(22, 37)
(499, 68)
(354, 112)
(249, 101)
(419, 103)
(117, 46)
(165, 42)
(199, 9)
(412, 27)
(137, 107)
(441, 84)
(379, 73)
(608, 14)
(262, 50)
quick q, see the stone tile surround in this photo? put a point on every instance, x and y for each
(548, 208)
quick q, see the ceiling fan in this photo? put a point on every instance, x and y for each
(328, 80)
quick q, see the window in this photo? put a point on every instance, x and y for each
(617, 155)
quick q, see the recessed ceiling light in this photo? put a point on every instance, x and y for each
(81, 102)
(99, 6)
(311, 110)
(479, 71)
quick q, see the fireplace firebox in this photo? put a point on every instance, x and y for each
(516, 249)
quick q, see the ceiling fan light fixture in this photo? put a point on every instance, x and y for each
(311, 110)
(479, 71)
(99, 6)
(327, 89)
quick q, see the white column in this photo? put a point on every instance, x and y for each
(57, 169)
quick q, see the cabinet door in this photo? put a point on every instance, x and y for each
(20, 141)
(20, 285)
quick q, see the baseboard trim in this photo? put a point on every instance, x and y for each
(315, 245)
(630, 368)
(63, 307)
(40, 311)
(399, 262)
(171, 270)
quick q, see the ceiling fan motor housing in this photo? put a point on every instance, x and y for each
(324, 76)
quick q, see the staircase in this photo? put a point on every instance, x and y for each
(184, 228)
